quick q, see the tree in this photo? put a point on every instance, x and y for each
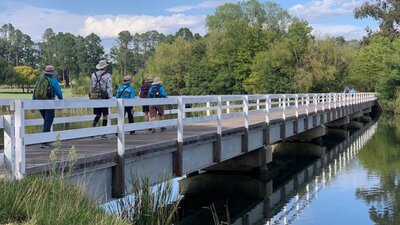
(26, 76)
(387, 12)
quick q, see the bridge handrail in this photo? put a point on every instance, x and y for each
(184, 110)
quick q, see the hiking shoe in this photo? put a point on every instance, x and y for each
(153, 130)
(150, 129)
(132, 132)
(163, 129)
(103, 137)
(47, 145)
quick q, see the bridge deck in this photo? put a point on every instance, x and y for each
(89, 147)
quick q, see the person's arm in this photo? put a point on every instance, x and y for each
(148, 93)
(56, 87)
(163, 93)
(117, 94)
(109, 86)
(132, 93)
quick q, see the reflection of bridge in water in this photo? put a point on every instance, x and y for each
(264, 202)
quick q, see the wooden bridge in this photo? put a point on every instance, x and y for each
(203, 131)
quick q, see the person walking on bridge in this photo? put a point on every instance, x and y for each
(126, 91)
(47, 88)
(157, 90)
(101, 88)
(144, 93)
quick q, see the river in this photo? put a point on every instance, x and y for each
(358, 184)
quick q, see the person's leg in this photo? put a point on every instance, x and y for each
(128, 110)
(105, 118)
(153, 114)
(161, 114)
(146, 112)
(97, 112)
(48, 120)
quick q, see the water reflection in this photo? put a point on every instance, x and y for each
(265, 200)
(381, 158)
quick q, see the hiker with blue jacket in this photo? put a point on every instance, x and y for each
(47, 88)
(126, 91)
(157, 90)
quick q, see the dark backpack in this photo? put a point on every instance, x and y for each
(97, 92)
(155, 91)
(43, 88)
(144, 90)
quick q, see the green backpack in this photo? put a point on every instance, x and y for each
(43, 88)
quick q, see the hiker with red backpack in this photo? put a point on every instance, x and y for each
(101, 88)
(47, 88)
(144, 93)
(126, 91)
(157, 90)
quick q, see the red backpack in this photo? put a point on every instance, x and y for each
(144, 90)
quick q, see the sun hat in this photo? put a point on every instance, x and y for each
(149, 80)
(101, 65)
(157, 80)
(127, 79)
(49, 69)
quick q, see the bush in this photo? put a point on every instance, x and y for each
(82, 86)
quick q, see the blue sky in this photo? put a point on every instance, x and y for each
(108, 18)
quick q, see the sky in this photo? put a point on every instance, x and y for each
(108, 18)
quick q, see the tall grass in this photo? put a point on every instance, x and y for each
(149, 205)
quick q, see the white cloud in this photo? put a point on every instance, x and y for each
(348, 31)
(110, 26)
(322, 8)
(34, 21)
(201, 5)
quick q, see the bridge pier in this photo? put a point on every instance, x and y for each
(244, 162)
(339, 122)
(310, 134)
(339, 132)
(298, 148)
(355, 124)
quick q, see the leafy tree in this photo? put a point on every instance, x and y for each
(26, 76)
(387, 12)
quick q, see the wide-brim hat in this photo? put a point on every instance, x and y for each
(101, 65)
(157, 80)
(49, 70)
(127, 79)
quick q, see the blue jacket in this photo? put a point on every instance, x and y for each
(129, 92)
(162, 90)
(56, 89)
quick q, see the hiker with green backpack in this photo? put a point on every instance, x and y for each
(47, 88)
(126, 91)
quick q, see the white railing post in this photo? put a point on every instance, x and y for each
(267, 109)
(121, 127)
(315, 103)
(19, 115)
(108, 117)
(297, 105)
(258, 104)
(178, 161)
(323, 102)
(246, 111)
(208, 108)
(119, 172)
(307, 104)
(228, 110)
(219, 115)
(284, 107)
(9, 145)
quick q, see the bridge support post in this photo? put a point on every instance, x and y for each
(177, 161)
(118, 171)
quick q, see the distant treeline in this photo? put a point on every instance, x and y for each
(251, 47)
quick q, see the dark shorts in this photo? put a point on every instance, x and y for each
(156, 109)
(99, 111)
(146, 108)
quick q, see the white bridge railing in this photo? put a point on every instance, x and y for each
(181, 110)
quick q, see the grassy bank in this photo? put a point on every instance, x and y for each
(15, 93)
(37, 200)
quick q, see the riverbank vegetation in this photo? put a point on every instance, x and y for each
(251, 47)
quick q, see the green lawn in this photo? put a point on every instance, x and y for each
(6, 93)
